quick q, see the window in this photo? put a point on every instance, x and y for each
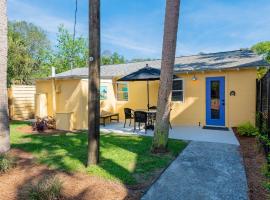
(178, 90)
(103, 92)
(122, 92)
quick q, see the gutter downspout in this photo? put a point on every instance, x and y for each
(53, 93)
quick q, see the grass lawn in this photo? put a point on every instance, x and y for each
(123, 158)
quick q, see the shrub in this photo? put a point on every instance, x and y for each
(267, 185)
(247, 129)
(48, 188)
(6, 163)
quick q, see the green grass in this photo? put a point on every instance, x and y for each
(123, 158)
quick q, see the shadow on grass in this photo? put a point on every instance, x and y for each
(125, 158)
(17, 122)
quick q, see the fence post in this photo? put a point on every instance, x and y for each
(10, 103)
(261, 105)
(268, 103)
(259, 116)
(268, 115)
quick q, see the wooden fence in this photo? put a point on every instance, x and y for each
(263, 111)
(22, 102)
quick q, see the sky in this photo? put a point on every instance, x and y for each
(134, 28)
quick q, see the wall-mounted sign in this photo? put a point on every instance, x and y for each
(103, 92)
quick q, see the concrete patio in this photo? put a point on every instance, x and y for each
(190, 133)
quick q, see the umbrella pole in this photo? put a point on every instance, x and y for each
(148, 95)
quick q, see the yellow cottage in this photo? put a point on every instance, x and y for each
(216, 89)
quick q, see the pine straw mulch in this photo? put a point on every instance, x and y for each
(254, 161)
(14, 184)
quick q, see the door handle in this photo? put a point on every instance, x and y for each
(223, 102)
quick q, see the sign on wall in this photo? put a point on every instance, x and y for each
(103, 92)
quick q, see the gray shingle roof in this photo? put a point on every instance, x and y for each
(201, 62)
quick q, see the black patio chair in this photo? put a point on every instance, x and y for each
(152, 116)
(129, 114)
(140, 117)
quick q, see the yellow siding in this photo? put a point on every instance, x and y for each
(192, 110)
(109, 103)
(64, 121)
(238, 109)
(41, 105)
(44, 86)
(242, 107)
(71, 96)
(68, 99)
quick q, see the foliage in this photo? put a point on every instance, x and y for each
(43, 124)
(266, 172)
(261, 72)
(262, 48)
(267, 185)
(69, 53)
(48, 188)
(123, 158)
(115, 58)
(28, 52)
(247, 129)
(6, 163)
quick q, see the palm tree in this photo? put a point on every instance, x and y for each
(161, 132)
(4, 119)
(94, 82)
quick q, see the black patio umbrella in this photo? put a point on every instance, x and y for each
(145, 74)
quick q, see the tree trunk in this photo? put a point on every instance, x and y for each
(161, 132)
(4, 119)
(94, 82)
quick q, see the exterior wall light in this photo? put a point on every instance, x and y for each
(194, 78)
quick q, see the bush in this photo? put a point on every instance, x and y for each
(48, 188)
(267, 185)
(247, 129)
(6, 163)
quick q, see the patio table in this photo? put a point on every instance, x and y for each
(151, 117)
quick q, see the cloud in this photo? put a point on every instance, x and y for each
(19, 10)
(114, 36)
(127, 44)
(212, 25)
(205, 26)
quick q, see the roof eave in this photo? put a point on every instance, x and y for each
(221, 69)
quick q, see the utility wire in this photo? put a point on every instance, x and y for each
(75, 20)
(74, 33)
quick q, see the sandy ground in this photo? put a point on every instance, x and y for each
(14, 183)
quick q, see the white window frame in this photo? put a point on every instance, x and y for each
(121, 91)
(183, 89)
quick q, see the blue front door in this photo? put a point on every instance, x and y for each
(215, 101)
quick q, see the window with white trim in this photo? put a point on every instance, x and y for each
(122, 91)
(178, 90)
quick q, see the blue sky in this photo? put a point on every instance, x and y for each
(134, 28)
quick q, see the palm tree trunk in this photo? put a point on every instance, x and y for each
(4, 119)
(161, 132)
(94, 82)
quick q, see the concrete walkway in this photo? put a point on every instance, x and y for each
(192, 133)
(203, 171)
